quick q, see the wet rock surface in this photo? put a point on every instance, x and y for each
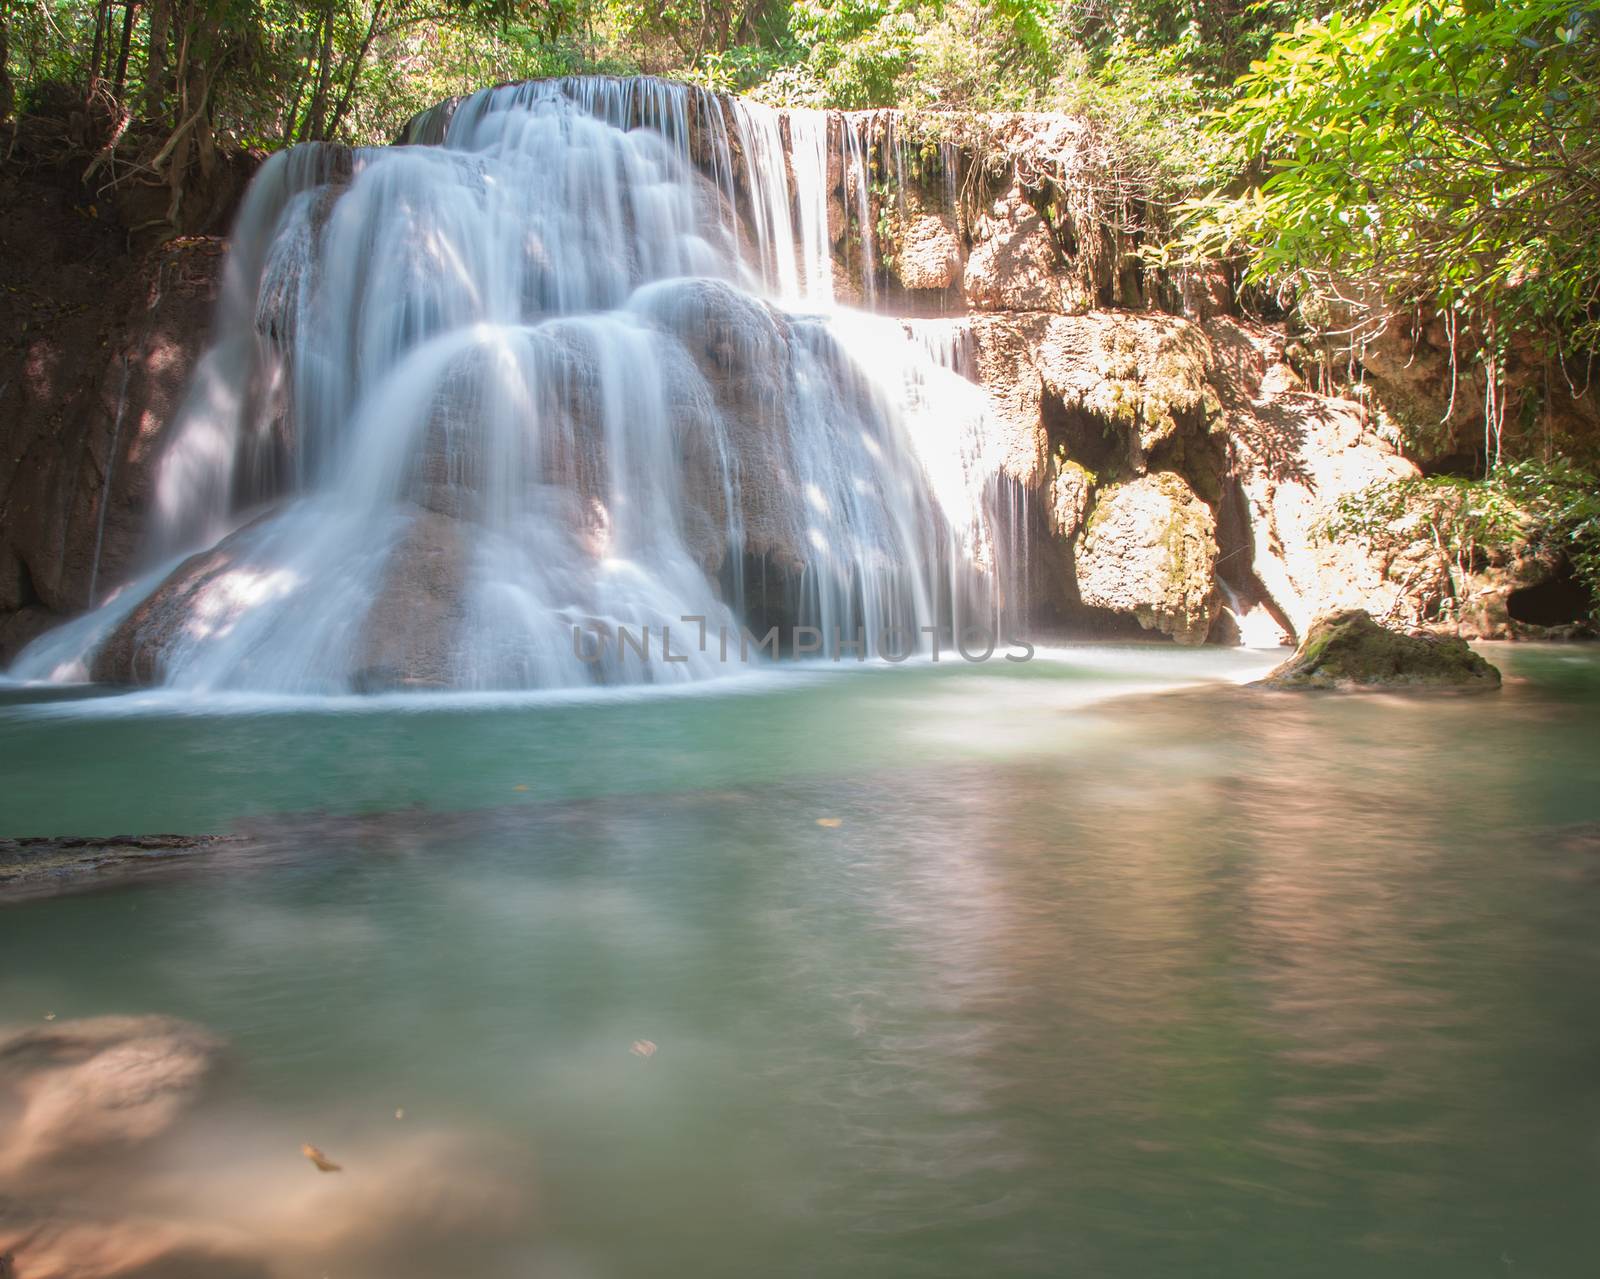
(39, 864)
(930, 254)
(1017, 266)
(1349, 650)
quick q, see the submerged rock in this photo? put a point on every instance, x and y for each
(79, 1087)
(28, 863)
(1350, 650)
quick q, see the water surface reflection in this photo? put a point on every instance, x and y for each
(1202, 983)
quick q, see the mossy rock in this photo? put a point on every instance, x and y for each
(1350, 650)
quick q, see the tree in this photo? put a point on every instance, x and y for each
(1439, 153)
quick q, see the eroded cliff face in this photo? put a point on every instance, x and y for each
(1133, 401)
(96, 353)
(1427, 379)
(1183, 475)
(1178, 474)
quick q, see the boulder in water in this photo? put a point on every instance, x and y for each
(1350, 650)
(199, 597)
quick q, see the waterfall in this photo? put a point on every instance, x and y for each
(858, 190)
(571, 362)
(947, 342)
(1256, 626)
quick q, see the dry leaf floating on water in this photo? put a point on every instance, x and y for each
(323, 1163)
(643, 1048)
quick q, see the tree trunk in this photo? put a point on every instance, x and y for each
(291, 115)
(356, 64)
(155, 69)
(314, 129)
(129, 7)
(7, 96)
(102, 30)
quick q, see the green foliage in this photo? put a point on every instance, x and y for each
(735, 70)
(269, 72)
(1373, 155)
(1562, 502)
(1447, 148)
(1550, 509)
(1209, 40)
(1147, 100)
(354, 69)
(858, 48)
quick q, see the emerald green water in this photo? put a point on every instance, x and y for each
(1192, 983)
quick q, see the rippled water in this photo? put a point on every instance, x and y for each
(1194, 982)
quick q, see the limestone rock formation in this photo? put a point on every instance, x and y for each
(1083, 404)
(1350, 650)
(1206, 292)
(1016, 266)
(929, 254)
(742, 348)
(1293, 456)
(200, 585)
(408, 635)
(1430, 380)
(1067, 495)
(1149, 549)
(1143, 376)
(1003, 364)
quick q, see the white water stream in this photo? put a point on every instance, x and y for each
(576, 365)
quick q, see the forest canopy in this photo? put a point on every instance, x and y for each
(274, 72)
(1355, 159)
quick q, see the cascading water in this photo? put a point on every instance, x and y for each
(573, 365)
